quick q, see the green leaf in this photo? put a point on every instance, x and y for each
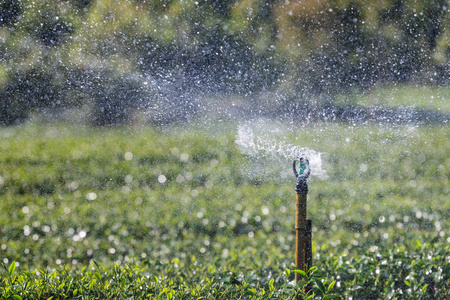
(320, 285)
(253, 291)
(271, 287)
(301, 283)
(17, 297)
(12, 268)
(331, 296)
(407, 283)
(301, 272)
(287, 272)
(424, 288)
(331, 285)
(97, 274)
(91, 284)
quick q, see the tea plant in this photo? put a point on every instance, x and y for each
(181, 213)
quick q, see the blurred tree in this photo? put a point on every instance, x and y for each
(336, 45)
(9, 12)
(308, 49)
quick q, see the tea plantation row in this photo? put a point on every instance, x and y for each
(181, 213)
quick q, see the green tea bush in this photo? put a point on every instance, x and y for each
(181, 213)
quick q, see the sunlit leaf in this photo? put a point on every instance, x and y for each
(12, 268)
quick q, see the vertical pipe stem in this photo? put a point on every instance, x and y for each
(308, 253)
(300, 236)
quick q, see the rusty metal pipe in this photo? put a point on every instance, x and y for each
(301, 239)
(303, 251)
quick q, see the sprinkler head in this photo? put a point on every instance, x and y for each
(302, 174)
(303, 167)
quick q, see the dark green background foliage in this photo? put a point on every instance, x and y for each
(213, 227)
(300, 49)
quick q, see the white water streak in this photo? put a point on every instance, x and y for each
(266, 144)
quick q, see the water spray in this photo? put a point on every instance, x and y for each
(303, 249)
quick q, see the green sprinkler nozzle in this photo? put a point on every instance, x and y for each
(303, 168)
(302, 174)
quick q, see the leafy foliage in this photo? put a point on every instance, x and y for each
(181, 213)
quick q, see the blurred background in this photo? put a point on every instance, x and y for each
(110, 62)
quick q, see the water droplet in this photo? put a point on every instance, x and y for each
(73, 185)
(26, 230)
(126, 190)
(363, 167)
(225, 253)
(214, 163)
(184, 157)
(128, 156)
(208, 184)
(91, 196)
(128, 179)
(162, 178)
